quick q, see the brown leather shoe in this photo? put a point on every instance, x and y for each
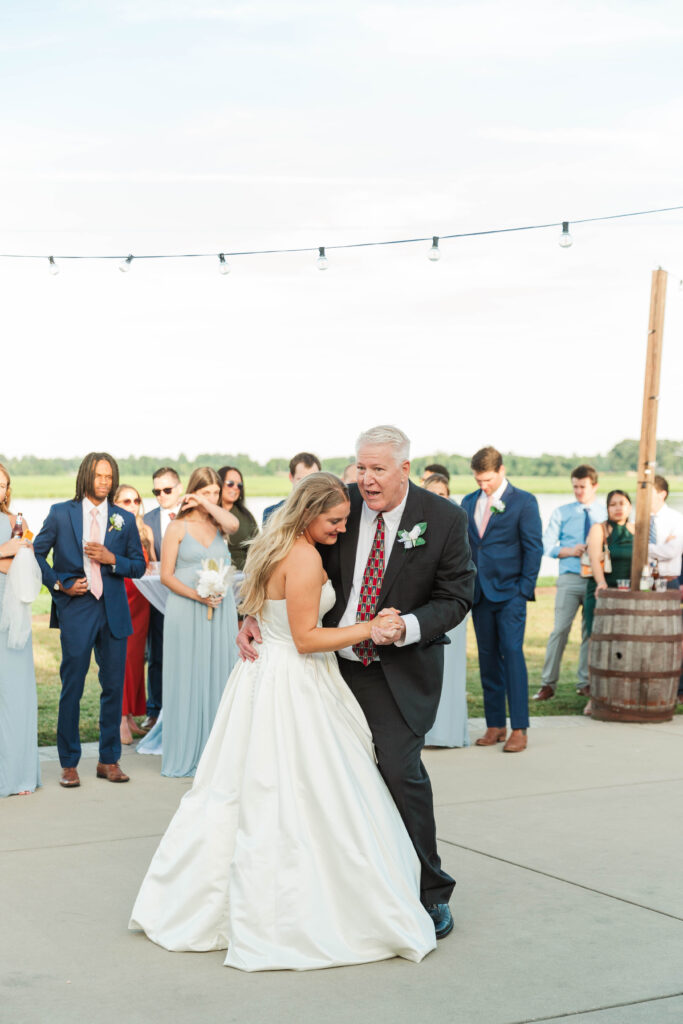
(491, 737)
(69, 778)
(584, 691)
(147, 724)
(516, 742)
(545, 693)
(111, 772)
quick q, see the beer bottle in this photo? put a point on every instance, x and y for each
(18, 528)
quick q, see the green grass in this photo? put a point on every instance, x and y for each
(47, 656)
(62, 486)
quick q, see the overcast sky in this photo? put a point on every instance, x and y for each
(181, 126)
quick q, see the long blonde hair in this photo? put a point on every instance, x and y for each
(314, 495)
(5, 503)
(139, 516)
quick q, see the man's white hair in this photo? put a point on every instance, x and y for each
(399, 442)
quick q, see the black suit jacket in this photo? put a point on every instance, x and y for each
(435, 582)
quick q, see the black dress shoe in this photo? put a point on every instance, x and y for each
(442, 918)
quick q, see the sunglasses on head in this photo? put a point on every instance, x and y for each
(131, 501)
(233, 483)
(156, 491)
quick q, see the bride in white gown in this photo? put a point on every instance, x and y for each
(289, 851)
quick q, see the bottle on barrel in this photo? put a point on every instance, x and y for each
(18, 528)
(655, 573)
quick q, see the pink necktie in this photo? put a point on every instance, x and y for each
(95, 571)
(487, 516)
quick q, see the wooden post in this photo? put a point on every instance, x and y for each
(647, 454)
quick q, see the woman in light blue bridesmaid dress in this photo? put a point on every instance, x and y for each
(451, 728)
(19, 766)
(199, 632)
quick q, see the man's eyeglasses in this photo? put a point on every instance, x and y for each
(131, 501)
(156, 491)
(233, 483)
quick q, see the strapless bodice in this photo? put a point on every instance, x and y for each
(275, 624)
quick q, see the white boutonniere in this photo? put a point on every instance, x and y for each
(413, 538)
(497, 507)
(115, 522)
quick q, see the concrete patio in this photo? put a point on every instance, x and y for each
(567, 906)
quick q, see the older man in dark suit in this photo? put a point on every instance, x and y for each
(404, 548)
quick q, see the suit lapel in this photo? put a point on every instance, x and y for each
(347, 547)
(76, 517)
(399, 556)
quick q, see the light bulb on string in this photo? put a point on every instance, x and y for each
(434, 253)
(223, 265)
(54, 269)
(565, 238)
(322, 260)
(124, 265)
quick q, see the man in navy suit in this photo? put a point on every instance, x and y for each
(168, 490)
(95, 545)
(506, 539)
(300, 465)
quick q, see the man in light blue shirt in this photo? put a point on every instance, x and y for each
(565, 539)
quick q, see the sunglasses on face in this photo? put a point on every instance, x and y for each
(156, 491)
(233, 483)
(131, 501)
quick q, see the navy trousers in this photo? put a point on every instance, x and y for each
(83, 628)
(499, 628)
(155, 662)
(398, 752)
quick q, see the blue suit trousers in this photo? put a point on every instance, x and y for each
(83, 627)
(499, 628)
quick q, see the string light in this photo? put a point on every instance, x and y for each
(565, 238)
(223, 265)
(54, 269)
(434, 253)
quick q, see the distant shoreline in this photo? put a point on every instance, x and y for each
(59, 486)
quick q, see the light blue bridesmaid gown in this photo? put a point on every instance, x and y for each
(450, 728)
(19, 766)
(199, 655)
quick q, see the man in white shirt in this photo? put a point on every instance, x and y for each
(168, 490)
(666, 534)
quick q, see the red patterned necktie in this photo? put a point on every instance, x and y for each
(369, 591)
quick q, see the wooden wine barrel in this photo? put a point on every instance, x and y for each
(634, 659)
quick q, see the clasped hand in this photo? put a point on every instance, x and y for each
(388, 627)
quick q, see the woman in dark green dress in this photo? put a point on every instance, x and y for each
(232, 499)
(617, 533)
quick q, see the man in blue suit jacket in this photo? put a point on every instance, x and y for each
(300, 465)
(94, 545)
(506, 539)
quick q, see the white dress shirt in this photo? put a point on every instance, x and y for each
(102, 516)
(480, 507)
(164, 520)
(668, 522)
(366, 537)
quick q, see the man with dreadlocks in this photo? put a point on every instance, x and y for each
(95, 545)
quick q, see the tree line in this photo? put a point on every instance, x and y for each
(622, 458)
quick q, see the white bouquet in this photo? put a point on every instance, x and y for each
(213, 579)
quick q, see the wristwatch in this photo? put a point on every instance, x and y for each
(56, 585)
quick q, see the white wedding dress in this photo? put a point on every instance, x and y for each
(288, 850)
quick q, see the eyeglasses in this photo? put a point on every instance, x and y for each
(233, 483)
(131, 501)
(156, 491)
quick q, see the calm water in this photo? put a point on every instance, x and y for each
(36, 509)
